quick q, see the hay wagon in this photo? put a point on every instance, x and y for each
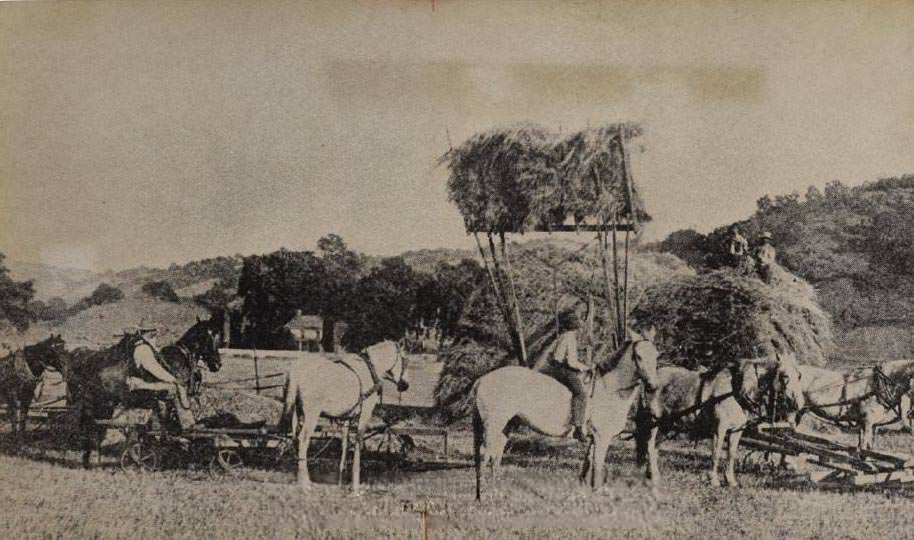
(840, 465)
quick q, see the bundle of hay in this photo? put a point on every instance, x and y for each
(524, 177)
(712, 318)
(233, 408)
(464, 362)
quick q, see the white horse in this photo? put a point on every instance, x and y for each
(545, 405)
(865, 397)
(339, 387)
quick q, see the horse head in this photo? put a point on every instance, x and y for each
(761, 375)
(641, 355)
(203, 340)
(49, 352)
(389, 359)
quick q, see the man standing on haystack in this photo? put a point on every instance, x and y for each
(571, 371)
(765, 256)
(739, 251)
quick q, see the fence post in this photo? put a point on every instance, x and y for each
(256, 374)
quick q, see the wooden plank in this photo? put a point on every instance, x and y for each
(825, 456)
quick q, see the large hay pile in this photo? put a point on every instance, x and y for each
(712, 318)
(548, 272)
(526, 177)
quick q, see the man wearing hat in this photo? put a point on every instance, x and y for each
(765, 256)
(571, 371)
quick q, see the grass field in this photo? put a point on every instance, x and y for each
(46, 495)
(537, 496)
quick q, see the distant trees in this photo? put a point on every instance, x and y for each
(161, 290)
(54, 309)
(14, 299)
(103, 294)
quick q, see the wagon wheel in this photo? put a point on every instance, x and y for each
(141, 456)
(226, 462)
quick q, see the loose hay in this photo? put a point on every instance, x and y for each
(712, 318)
(230, 408)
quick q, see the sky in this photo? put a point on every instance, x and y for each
(139, 133)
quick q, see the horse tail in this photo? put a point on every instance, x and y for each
(478, 434)
(291, 405)
(477, 448)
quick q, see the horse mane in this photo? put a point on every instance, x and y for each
(612, 361)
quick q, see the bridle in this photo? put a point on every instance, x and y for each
(389, 374)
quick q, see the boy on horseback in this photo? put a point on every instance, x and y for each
(571, 371)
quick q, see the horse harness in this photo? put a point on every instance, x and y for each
(377, 385)
(21, 368)
(888, 394)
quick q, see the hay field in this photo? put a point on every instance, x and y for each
(537, 496)
(46, 495)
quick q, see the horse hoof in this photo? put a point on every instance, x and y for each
(304, 486)
(715, 482)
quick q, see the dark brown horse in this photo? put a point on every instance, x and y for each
(20, 373)
(100, 381)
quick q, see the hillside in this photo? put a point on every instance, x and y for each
(854, 244)
(71, 284)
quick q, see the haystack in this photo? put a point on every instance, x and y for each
(709, 319)
(550, 274)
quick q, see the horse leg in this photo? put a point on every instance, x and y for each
(733, 437)
(717, 444)
(598, 456)
(653, 467)
(494, 450)
(362, 425)
(307, 424)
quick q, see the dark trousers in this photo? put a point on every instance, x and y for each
(575, 382)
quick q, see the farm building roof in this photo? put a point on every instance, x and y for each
(309, 322)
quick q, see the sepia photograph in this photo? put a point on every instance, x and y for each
(431, 269)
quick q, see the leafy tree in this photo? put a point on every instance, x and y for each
(161, 290)
(890, 239)
(273, 286)
(383, 304)
(105, 294)
(14, 298)
(688, 245)
(54, 309)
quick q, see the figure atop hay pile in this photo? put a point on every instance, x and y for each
(714, 318)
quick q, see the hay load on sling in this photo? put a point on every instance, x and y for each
(710, 319)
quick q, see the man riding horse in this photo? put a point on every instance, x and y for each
(572, 372)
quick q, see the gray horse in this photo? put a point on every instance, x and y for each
(544, 404)
(865, 397)
(716, 404)
(344, 387)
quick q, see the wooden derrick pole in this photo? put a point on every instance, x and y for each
(514, 302)
(620, 328)
(632, 218)
(499, 299)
